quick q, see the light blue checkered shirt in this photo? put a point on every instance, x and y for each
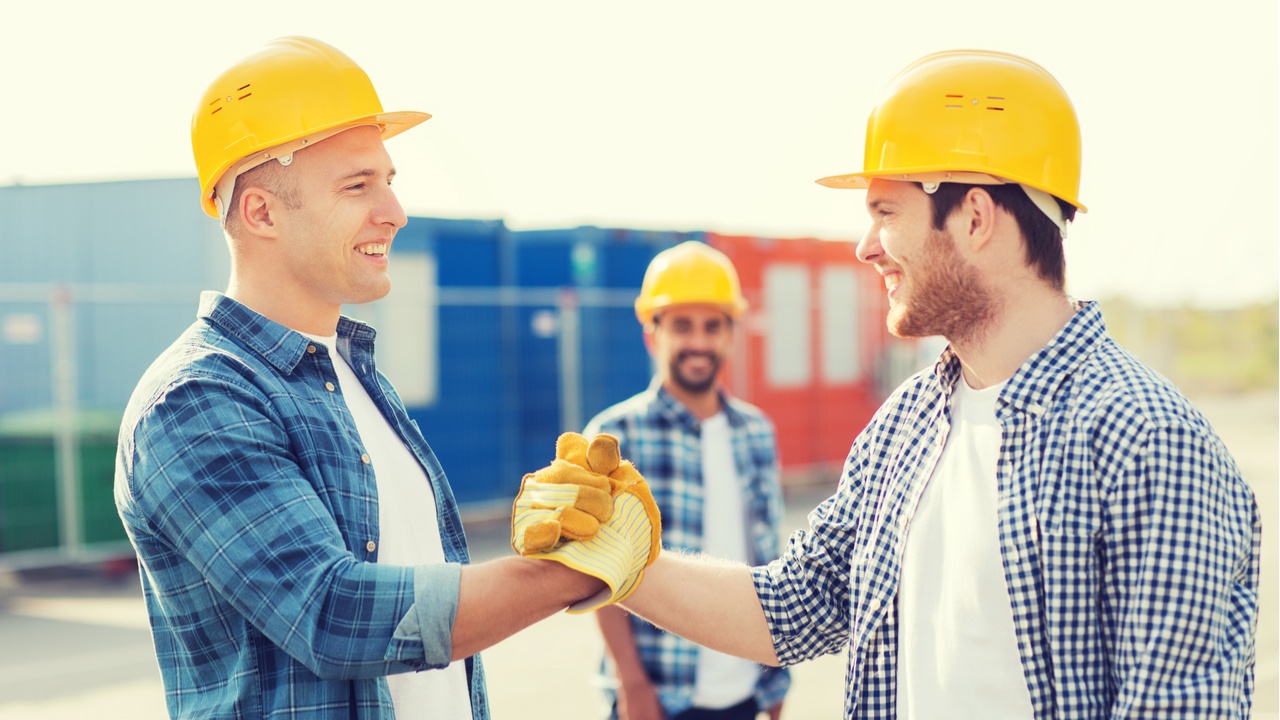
(1130, 541)
(241, 483)
(664, 441)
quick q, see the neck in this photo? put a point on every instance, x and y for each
(277, 304)
(701, 405)
(1024, 323)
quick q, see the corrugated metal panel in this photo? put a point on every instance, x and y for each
(150, 232)
(98, 279)
(613, 363)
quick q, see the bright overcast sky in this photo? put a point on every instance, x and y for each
(700, 115)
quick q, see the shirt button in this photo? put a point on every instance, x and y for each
(875, 604)
(311, 349)
(365, 458)
(903, 520)
(328, 386)
(371, 546)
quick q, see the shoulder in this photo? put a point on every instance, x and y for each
(752, 417)
(1131, 416)
(202, 368)
(638, 409)
(1113, 390)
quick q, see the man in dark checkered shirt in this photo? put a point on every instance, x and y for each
(1038, 525)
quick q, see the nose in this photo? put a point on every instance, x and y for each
(390, 211)
(868, 249)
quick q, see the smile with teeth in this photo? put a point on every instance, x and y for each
(891, 280)
(373, 249)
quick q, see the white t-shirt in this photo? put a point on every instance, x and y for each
(409, 535)
(957, 650)
(722, 680)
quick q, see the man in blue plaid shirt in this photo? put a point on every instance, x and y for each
(1037, 526)
(712, 464)
(300, 549)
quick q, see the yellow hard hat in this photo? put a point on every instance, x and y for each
(295, 92)
(691, 272)
(973, 116)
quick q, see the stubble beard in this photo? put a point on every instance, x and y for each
(696, 387)
(948, 298)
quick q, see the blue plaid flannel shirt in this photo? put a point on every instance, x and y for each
(241, 483)
(1130, 541)
(663, 440)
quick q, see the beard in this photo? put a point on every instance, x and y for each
(947, 297)
(692, 385)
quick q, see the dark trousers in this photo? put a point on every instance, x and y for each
(745, 710)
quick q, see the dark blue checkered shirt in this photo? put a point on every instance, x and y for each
(1130, 541)
(244, 488)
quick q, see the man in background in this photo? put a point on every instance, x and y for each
(712, 464)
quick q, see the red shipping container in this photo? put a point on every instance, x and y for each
(810, 344)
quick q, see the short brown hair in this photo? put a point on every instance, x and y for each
(1041, 237)
(270, 176)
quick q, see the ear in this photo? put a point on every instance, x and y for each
(979, 213)
(648, 337)
(256, 208)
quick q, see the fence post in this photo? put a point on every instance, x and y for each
(570, 347)
(66, 431)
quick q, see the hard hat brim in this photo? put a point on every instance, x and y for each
(389, 123)
(860, 181)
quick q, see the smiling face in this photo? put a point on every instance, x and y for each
(689, 344)
(932, 289)
(333, 242)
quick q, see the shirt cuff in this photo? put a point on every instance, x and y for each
(766, 591)
(435, 606)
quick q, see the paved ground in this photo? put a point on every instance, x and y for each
(74, 643)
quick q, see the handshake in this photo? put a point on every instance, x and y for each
(591, 511)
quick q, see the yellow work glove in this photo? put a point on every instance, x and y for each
(591, 511)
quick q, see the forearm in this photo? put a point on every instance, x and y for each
(710, 602)
(497, 599)
(620, 641)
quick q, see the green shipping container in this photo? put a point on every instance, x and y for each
(30, 517)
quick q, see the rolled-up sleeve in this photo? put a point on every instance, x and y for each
(429, 623)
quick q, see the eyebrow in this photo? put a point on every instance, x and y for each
(365, 173)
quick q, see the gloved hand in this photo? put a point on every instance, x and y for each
(591, 511)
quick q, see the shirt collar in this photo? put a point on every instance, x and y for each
(280, 346)
(1034, 384)
(668, 405)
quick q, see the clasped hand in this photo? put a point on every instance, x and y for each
(591, 511)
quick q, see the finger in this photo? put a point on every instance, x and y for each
(625, 475)
(595, 502)
(572, 447)
(602, 453)
(564, 472)
(541, 536)
(577, 525)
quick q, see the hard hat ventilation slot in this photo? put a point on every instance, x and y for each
(953, 105)
(999, 103)
(241, 89)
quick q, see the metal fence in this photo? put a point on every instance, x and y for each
(492, 375)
